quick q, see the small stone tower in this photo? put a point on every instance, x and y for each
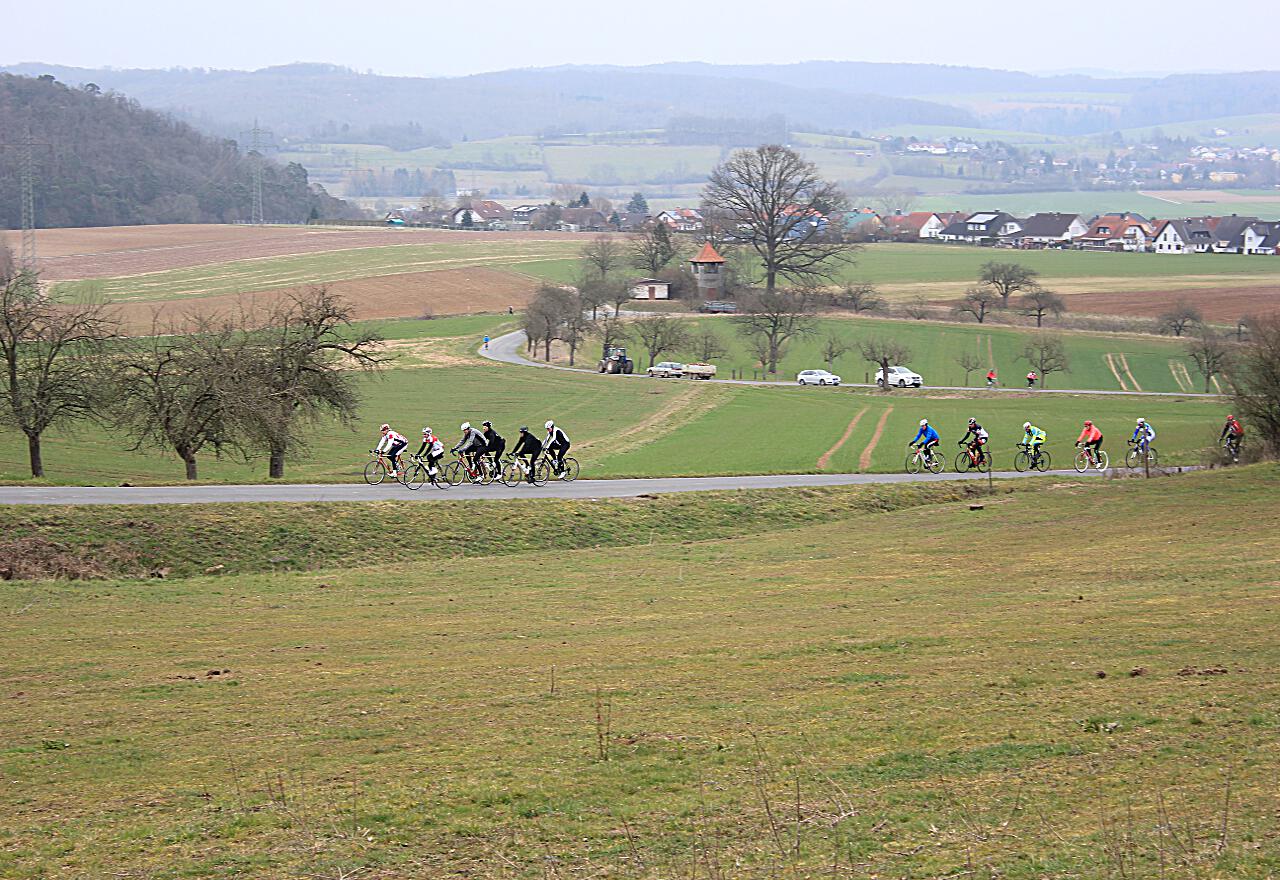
(708, 273)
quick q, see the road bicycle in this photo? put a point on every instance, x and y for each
(1032, 458)
(1135, 459)
(567, 471)
(379, 467)
(920, 459)
(461, 470)
(1086, 459)
(418, 474)
(967, 459)
(1231, 450)
(516, 471)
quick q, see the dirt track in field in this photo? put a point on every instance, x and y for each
(447, 292)
(113, 251)
(1222, 304)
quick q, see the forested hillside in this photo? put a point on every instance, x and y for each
(109, 162)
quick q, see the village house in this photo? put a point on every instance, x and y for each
(480, 214)
(1193, 235)
(983, 227)
(581, 220)
(522, 216)
(1049, 230)
(1117, 232)
(681, 219)
(915, 226)
(650, 288)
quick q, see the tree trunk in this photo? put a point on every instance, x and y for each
(189, 459)
(33, 451)
(275, 468)
(1039, 319)
(546, 349)
(573, 347)
(884, 374)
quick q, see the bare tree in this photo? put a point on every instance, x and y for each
(1209, 352)
(653, 248)
(55, 362)
(977, 301)
(574, 324)
(603, 255)
(834, 348)
(1006, 279)
(917, 308)
(302, 363)
(774, 317)
(1256, 381)
(593, 292)
(611, 330)
(884, 352)
(860, 297)
(617, 292)
(1046, 353)
(968, 361)
(1181, 315)
(659, 334)
(1039, 302)
(543, 317)
(707, 346)
(779, 204)
(176, 389)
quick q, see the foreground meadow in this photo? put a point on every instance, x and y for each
(1076, 681)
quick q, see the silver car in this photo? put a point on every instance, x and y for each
(817, 377)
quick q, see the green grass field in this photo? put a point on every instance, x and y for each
(935, 346)
(1073, 682)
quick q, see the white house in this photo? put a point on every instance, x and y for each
(1194, 235)
(650, 288)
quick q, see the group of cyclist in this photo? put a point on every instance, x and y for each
(481, 448)
(1090, 439)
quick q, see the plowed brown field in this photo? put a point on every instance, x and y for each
(448, 292)
(1219, 304)
(112, 251)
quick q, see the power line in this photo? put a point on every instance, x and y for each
(257, 168)
(27, 196)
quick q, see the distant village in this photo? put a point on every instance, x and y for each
(1126, 232)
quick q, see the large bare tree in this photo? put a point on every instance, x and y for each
(1006, 279)
(884, 352)
(1209, 352)
(977, 301)
(659, 334)
(768, 320)
(603, 254)
(55, 360)
(777, 204)
(1179, 317)
(1047, 353)
(544, 317)
(1040, 302)
(1256, 382)
(652, 249)
(302, 364)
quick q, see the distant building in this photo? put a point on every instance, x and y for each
(915, 226)
(984, 227)
(1118, 232)
(681, 219)
(1049, 230)
(581, 220)
(650, 288)
(708, 273)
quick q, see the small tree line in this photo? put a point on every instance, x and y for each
(252, 383)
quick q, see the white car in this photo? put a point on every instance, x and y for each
(900, 377)
(666, 370)
(817, 377)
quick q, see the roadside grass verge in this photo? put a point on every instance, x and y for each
(912, 693)
(130, 541)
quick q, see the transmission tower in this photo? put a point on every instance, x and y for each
(27, 196)
(257, 137)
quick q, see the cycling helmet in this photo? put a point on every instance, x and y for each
(1026, 426)
(426, 432)
(549, 425)
(524, 429)
(1229, 418)
(1142, 421)
(486, 424)
(385, 428)
(466, 426)
(924, 422)
(973, 421)
(1088, 424)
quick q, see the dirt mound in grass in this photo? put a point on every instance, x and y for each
(449, 292)
(37, 558)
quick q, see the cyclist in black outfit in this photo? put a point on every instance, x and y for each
(528, 447)
(494, 445)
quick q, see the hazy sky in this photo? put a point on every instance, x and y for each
(453, 37)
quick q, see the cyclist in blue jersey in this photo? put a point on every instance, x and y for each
(1143, 435)
(926, 438)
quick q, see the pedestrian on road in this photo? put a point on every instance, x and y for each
(510, 310)
(1031, 379)
(486, 343)
(991, 377)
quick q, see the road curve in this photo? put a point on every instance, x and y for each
(359, 492)
(509, 349)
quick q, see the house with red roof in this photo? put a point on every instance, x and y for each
(914, 226)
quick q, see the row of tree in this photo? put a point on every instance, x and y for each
(250, 383)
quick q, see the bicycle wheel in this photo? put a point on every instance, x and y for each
(454, 473)
(1021, 461)
(1155, 456)
(963, 461)
(415, 475)
(913, 463)
(541, 473)
(984, 461)
(375, 472)
(1103, 461)
(487, 474)
(1132, 459)
(1044, 462)
(512, 475)
(569, 470)
(935, 464)
(1082, 461)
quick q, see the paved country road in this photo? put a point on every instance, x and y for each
(509, 349)
(348, 492)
